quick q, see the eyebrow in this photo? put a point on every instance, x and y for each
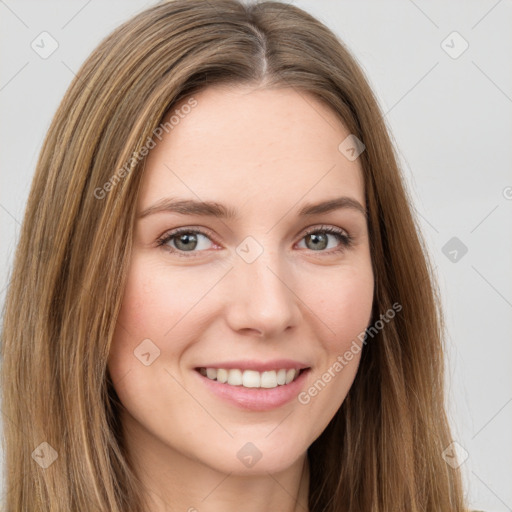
(214, 209)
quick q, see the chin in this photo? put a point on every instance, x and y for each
(253, 457)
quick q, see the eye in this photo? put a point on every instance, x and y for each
(317, 239)
(194, 241)
(184, 240)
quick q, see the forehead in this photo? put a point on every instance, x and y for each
(256, 147)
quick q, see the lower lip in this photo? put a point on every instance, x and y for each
(256, 399)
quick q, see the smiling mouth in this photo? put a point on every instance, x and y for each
(252, 378)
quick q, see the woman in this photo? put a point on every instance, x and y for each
(220, 297)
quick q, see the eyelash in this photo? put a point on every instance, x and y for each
(345, 239)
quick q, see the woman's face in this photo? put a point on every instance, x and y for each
(250, 282)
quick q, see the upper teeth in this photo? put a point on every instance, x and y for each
(251, 378)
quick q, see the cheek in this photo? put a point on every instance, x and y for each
(144, 315)
(345, 305)
(153, 303)
(158, 306)
(154, 308)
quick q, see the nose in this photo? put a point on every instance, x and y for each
(260, 296)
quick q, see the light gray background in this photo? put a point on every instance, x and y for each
(451, 120)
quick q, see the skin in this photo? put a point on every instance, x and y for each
(265, 153)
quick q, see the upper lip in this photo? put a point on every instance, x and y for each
(259, 366)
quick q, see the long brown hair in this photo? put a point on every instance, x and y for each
(382, 450)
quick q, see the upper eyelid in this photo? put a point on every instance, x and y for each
(324, 227)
